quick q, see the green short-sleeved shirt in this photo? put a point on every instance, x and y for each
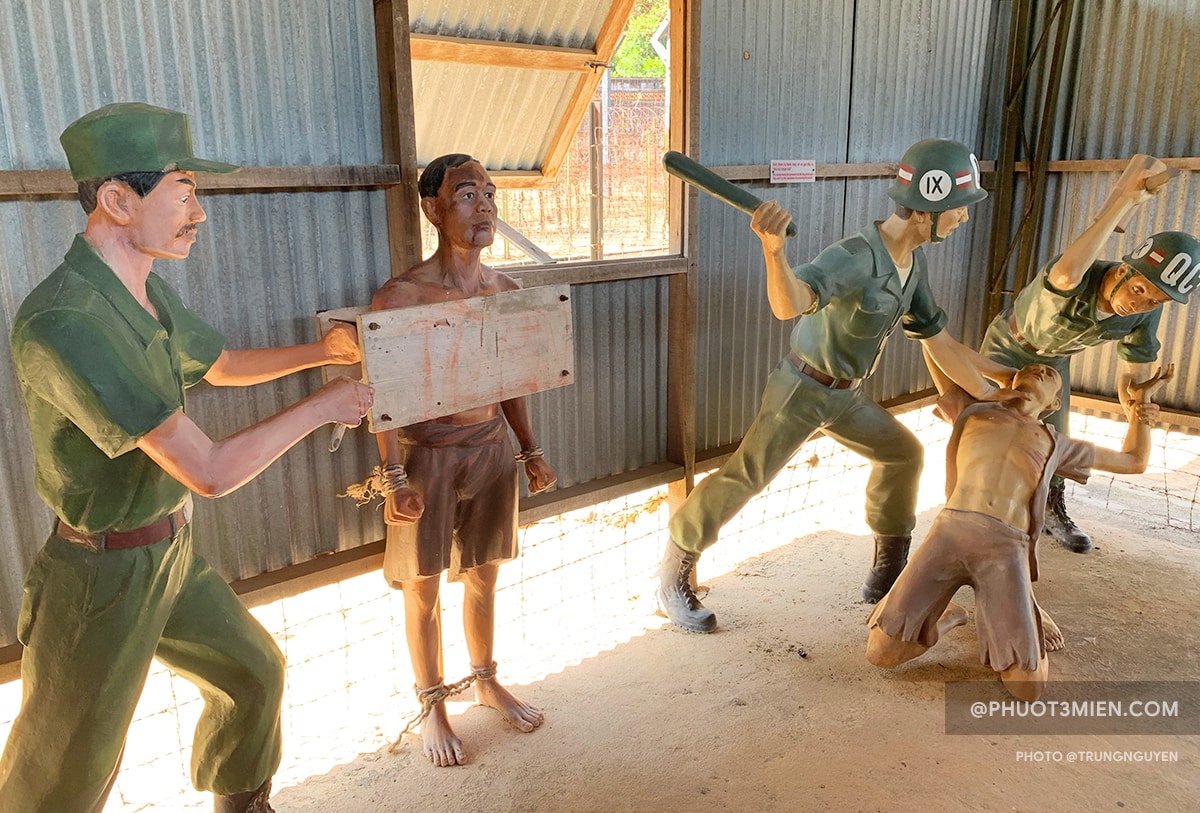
(859, 303)
(1062, 323)
(98, 372)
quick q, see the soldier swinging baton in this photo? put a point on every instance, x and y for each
(704, 178)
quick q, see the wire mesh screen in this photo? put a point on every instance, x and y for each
(581, 586)
(630, 134)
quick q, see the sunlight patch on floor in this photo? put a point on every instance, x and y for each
(582, 586)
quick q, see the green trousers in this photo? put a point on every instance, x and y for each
(91, 622)
(794, 408)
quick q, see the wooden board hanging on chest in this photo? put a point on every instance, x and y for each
(428, 361)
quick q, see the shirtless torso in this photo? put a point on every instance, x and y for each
(1000, 441)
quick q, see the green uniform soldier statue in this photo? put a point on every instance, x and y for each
(1078, 301)
(850, 298)
(104, 349)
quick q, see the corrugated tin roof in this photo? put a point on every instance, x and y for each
(532, 22)
(505, 107)
(504, 117)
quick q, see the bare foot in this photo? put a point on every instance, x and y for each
(1051, 633)
(521, 715)
(1024, 684)
(441, 745)
(955, 615)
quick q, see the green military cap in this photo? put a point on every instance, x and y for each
(132, 137)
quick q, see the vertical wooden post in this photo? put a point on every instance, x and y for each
(1004, 193)
(1026, 235)
(681, 316)
(1027, 259)
(396, 117)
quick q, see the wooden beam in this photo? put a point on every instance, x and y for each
(519, 178)
(683, 135)
(461, 50)
(585, 88)
(319, 572)
(396, 120)
(1106, 165)
(532, 250)
(1000, 235)
(552, 503)
(587, 272)
(1111, 407)
(24, 183)
(27, 183)
(1029, 231)
(762, 172)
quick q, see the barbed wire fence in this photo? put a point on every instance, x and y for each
(557, 217)
(581, 586)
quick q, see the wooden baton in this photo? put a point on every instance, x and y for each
(1137, 163)
(704, 178)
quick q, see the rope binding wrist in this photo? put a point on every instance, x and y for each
(384, 481)
(525, 455)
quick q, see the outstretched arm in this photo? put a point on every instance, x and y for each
(241, 368)
(1068, 271)
(1135, 452)
(951, 359)
(788, 296)
(215, 468)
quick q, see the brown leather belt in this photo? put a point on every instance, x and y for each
(824, 379)
(1012, 326)
(156, 531)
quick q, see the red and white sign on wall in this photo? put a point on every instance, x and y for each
(799, 170)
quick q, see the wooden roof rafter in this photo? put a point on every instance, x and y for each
(588, 64)
(462, 50)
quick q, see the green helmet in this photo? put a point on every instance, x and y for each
(1169, 259)
(937, 175)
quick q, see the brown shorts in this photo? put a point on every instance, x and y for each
(468, 479)
(964, 547)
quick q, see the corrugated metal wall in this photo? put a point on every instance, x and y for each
(1127, 89)
(838, 81)
(272, 83)
(613, 419)
(266, 84)
(294, 83)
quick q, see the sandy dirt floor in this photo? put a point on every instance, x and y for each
(779, 711)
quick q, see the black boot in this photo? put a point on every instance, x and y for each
(891, 553)
(676, 599)
(251, 801)
(1062, 527)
